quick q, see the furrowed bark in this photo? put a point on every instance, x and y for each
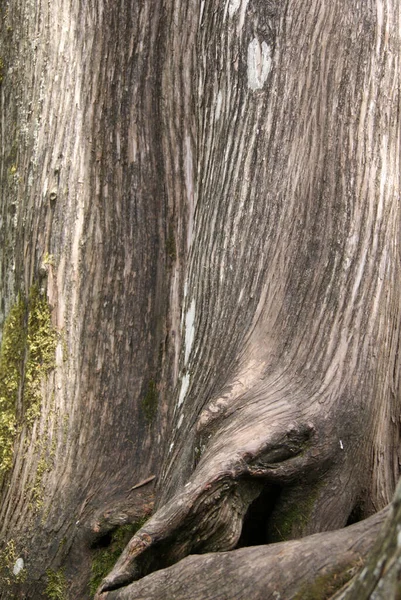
(296, 185)
(207, 196)
(84, 218)
(310, 177)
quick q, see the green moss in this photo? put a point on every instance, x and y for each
(37, 488)
(284, 528)
(41, 350)
(27, 355)
(48, 259)
(12, 354)
(62, 543)
(12, 177)
(56, 588)
(105, 558)
(293, 518)
(150, 401)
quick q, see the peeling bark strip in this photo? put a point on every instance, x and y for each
(208, 192)
(142, 483)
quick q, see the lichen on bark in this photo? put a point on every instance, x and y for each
(41, 345)
(8, 557)
(11, 361)
(27, 355)
(56, 588)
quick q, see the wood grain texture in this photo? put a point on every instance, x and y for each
(217, 185)
(290, 324)
(82, 166)
(277, 571)
(293, 280)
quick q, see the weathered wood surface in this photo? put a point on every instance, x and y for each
(84, 215)
(314, 567)
(289, 370)
(217, 184)
(380, 579)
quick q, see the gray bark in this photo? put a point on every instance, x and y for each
(381, 577)
(207, 195)
(81, 183)
(313, 567)
(282, 369)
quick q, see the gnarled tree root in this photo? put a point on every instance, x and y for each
(313, 567)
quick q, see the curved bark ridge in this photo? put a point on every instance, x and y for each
(315, 567)
(292, 267)
(290, 323)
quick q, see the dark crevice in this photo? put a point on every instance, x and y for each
(255, 525)
(103, 541)
(357, 514)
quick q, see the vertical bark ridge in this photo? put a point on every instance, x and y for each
(89, 178)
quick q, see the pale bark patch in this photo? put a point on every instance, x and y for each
(189, 330)
(259, 64)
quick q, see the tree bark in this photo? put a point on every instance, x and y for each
(381, 577)
(85, 218)
(314, 567)
(205, 200)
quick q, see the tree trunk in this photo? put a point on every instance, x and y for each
(85, 222)
(200, 278)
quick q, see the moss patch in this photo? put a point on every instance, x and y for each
(150, 401)
(37, 488)
(27, 355)
(12, 354)
(56, 588)
(293, 518)
(42, 340)
(105, 558)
